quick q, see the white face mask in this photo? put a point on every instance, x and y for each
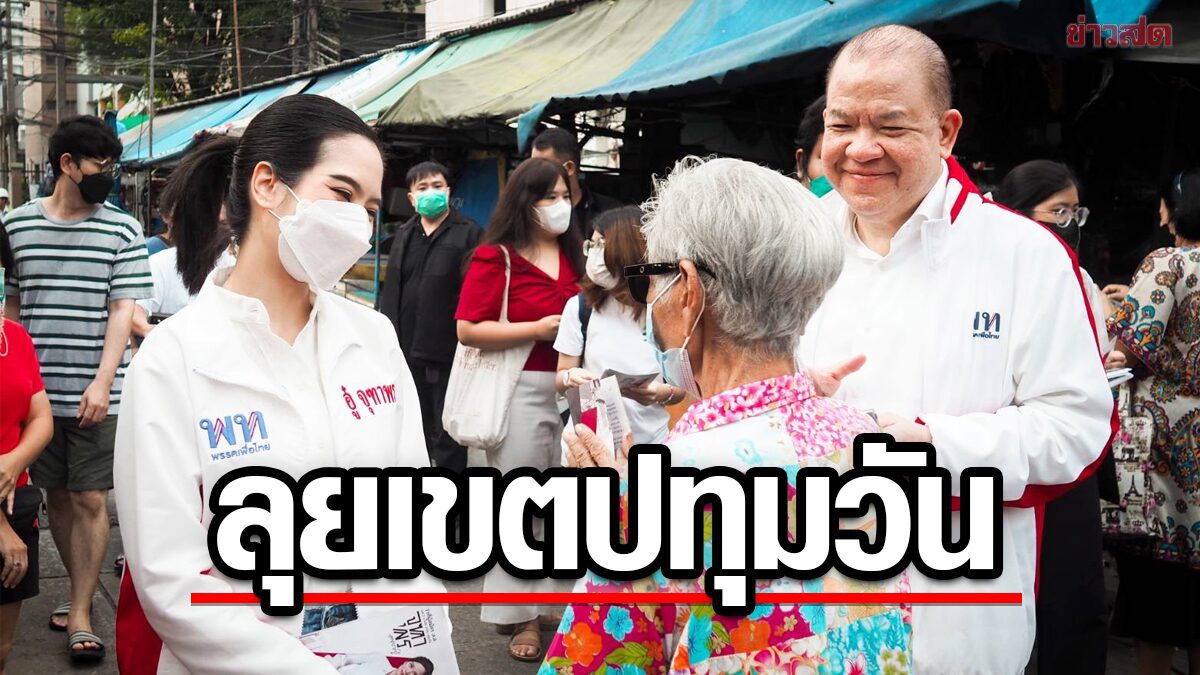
(321, 241)
(555, 218)
(597, 271)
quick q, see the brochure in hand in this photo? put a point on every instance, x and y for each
(599, 406)
(409, 641)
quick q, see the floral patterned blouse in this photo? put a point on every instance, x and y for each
(1159, 321)
(779, 422)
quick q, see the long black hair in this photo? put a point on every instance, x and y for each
(1031, 183)
(288, 134)
(514, 222)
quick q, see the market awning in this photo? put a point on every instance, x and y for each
(366, 84)
(715, 38)
(175, 129)
(574, 53)
(261, 99)
(449, 57)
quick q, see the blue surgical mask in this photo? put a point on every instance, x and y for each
(673, 364)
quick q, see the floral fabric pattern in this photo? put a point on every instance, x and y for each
(1159, 322)
(779, 422)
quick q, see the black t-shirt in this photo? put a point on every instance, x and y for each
(410, 271)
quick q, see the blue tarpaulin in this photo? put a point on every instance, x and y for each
(1122, 11)
(174, 136)
(717, 37)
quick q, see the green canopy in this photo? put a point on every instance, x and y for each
(573, 53)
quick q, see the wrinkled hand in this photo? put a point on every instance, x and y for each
(1116, 360)
(904, 430)
(1115, 292)
(651, 393)
(547, 327)
(15, 555)
(828, 380)
(93, 406)
(584, 449)
(578, 376)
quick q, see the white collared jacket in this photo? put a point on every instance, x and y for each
(976, 323)
(211, 390)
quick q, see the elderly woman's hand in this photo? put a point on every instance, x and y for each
(585, 449)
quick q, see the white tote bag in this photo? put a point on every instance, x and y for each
(481, 385)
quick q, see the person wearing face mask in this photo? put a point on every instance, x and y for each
(606, 334)
(420, 295)
(1072, 614)
(808, 149)
(83, 265)
(266, 368)
(559, 145)
(1048, 192)
(724, 314)
(531, 233)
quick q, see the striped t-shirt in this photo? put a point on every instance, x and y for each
(66, 273)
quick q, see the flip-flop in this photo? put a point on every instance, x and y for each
(62, 610)
(517, 642)
(86, 654)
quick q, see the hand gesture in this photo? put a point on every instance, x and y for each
(828, 380)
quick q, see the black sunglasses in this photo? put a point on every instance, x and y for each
(638, 276)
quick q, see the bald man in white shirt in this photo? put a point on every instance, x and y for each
(973, 322)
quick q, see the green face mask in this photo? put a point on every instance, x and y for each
(433, 203)
(819, 186)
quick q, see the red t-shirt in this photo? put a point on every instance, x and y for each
(20, 379)
(533, 295)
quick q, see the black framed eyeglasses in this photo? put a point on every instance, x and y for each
(638, 276)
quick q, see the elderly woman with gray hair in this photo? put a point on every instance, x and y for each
(739, 257)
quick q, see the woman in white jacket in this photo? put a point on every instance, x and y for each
(265, 368)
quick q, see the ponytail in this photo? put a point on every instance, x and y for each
(288, 134)
(192, 201)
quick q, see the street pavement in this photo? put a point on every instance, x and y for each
(38, 651)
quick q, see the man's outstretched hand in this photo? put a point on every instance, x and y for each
(828, 380)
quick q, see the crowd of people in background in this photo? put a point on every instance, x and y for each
(876, 288)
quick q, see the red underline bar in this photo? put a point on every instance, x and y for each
(619, 598)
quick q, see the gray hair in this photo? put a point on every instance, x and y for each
(892, 41)
(773, 249)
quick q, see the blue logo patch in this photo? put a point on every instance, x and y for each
(224, 430)
(990, 324)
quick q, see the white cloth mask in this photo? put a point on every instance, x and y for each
(555, 218)
(322, 240)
